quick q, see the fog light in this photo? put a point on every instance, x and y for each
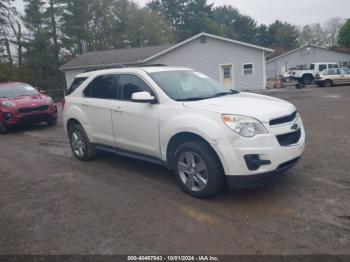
(254, 162)
(8, 116)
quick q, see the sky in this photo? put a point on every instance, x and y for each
(297, 12)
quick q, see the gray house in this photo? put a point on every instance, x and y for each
(237, 65)
(301, 58)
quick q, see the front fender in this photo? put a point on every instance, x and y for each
(209, 126)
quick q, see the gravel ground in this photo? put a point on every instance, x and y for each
(53, 204)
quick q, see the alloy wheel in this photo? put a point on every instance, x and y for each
(78, 144)
(193, 171)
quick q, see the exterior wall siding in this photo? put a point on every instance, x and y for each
(70, 74)
(304, 57)
(207, 58)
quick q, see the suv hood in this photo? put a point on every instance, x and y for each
(28, 101)
(263, 108)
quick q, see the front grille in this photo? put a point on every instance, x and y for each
(283, 120)
(289, 139)
(27, 110)
(35, 118)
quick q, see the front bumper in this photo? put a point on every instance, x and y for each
(251, 181)
(18, 118)
(249, 161)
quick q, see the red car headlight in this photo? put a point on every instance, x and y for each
(8, 104)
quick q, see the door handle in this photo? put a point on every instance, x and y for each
(85, 104)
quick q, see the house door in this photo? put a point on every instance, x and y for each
(226, 76)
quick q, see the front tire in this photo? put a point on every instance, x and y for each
(80, 143)
(199, 170)
(52, 122)
(307, 79)
(3, 128)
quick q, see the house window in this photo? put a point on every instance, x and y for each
(227, 72)
(248, 69)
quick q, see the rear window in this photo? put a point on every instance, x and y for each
(76, 83)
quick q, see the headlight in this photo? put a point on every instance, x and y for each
(8, 104)
(244, 126)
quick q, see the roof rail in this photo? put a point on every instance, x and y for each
(104, 68)
(153, 65)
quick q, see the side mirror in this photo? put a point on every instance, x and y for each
(43, 92)
(143, 97)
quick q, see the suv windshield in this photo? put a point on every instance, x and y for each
(16, 90)
(187, 85)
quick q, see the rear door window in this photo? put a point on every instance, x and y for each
(322, 67)
(102, 87)
(76, 83)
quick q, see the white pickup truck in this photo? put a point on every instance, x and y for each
(307, 76)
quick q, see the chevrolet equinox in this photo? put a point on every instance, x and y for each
(208, 135)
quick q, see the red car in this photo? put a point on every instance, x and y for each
(22, 103)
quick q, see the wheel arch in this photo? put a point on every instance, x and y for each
(308, 74)
(72, 121)
(180, 138)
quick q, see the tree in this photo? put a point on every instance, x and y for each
(40, 59)
(121, 23)
(34, 18)
(332, 28)
(263, 36)
(173, 11)
(199, 18)
(283, 35)
(235, 25)
(75, 25)
(313, 35)
(10, 18)
(344, 35)
(144, 28)
(53, 10)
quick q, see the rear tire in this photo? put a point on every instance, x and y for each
(199, 170)
(328, 83)
(307, 79)
(299, 86)
(80, 143)
(3, 128)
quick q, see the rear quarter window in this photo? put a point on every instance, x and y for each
(76, 83)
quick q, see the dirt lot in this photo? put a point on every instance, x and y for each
(53, 204)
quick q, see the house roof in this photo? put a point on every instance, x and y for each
(303, 47)
(129, 56)
(113, 57)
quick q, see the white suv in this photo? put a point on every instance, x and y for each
(208, 135)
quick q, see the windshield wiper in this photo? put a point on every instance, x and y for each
(232, 92)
